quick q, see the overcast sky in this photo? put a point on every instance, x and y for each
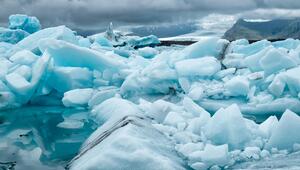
(94, 14)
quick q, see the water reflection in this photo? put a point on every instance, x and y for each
(42, 137)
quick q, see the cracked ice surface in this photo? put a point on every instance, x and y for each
(213, 104)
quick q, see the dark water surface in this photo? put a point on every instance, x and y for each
(42, 137)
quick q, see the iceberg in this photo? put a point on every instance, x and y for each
(102, 94)
(292, 80)
(287, 44)
(17, 83)
(108, 110)
(285, 134)
(252, 61)
(127, 140)
(286, 80)
(173, 119)
(77, 97)
(150, 40)
(160, 109)
(268, 126)
(84, 42)
(32, 42)
(12, 36)
(233, 60)
(251, 49)
(26, 89)
(227, 126)
(206, 66)
(67, 54)
(147, 52)
(277, 86)
(24, 57)
(211, 155)
(103, 42)
(27, 23)
(275, 60)
(4, 47)
(187, 149)
(206, 47)
(238, 86)
(63, 79)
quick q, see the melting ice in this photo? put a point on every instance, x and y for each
(211, 105)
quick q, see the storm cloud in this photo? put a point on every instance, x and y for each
(94, 14)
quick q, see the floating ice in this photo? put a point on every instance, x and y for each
(285, 133)
(77, 97)
(238, 86)
(32, 42)
(196, 93)
(25, 89)
(292, 80)
(148, 52)
(251, 153)
(12, 36)
(24, 57)
(227, 126)
(187, 149)
(114, 108)
(250, 49)
(71, 124)
(20, 26)
(288, 44)
(173, 119)
(103, 42)
(234, 60)
(4, 47)
(206, 66)
(275, 60)
(136, 145)
(67, 54)
(64, 79)
(211, 155)
(205, 47)
(24, 22)
(252, 61)
(84, 42)
(268, 126)
(150, 40)
(101, 95)
(17, 83)
(277, 86)
(190, 106)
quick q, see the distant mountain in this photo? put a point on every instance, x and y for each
(271, 30)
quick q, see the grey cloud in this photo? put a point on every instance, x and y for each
(94, 14)
(287, 4)
(270, 13)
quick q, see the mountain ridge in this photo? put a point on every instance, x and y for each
(271, 30)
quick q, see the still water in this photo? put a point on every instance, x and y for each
(42, 137)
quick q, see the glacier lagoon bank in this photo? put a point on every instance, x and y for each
(214, 104)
